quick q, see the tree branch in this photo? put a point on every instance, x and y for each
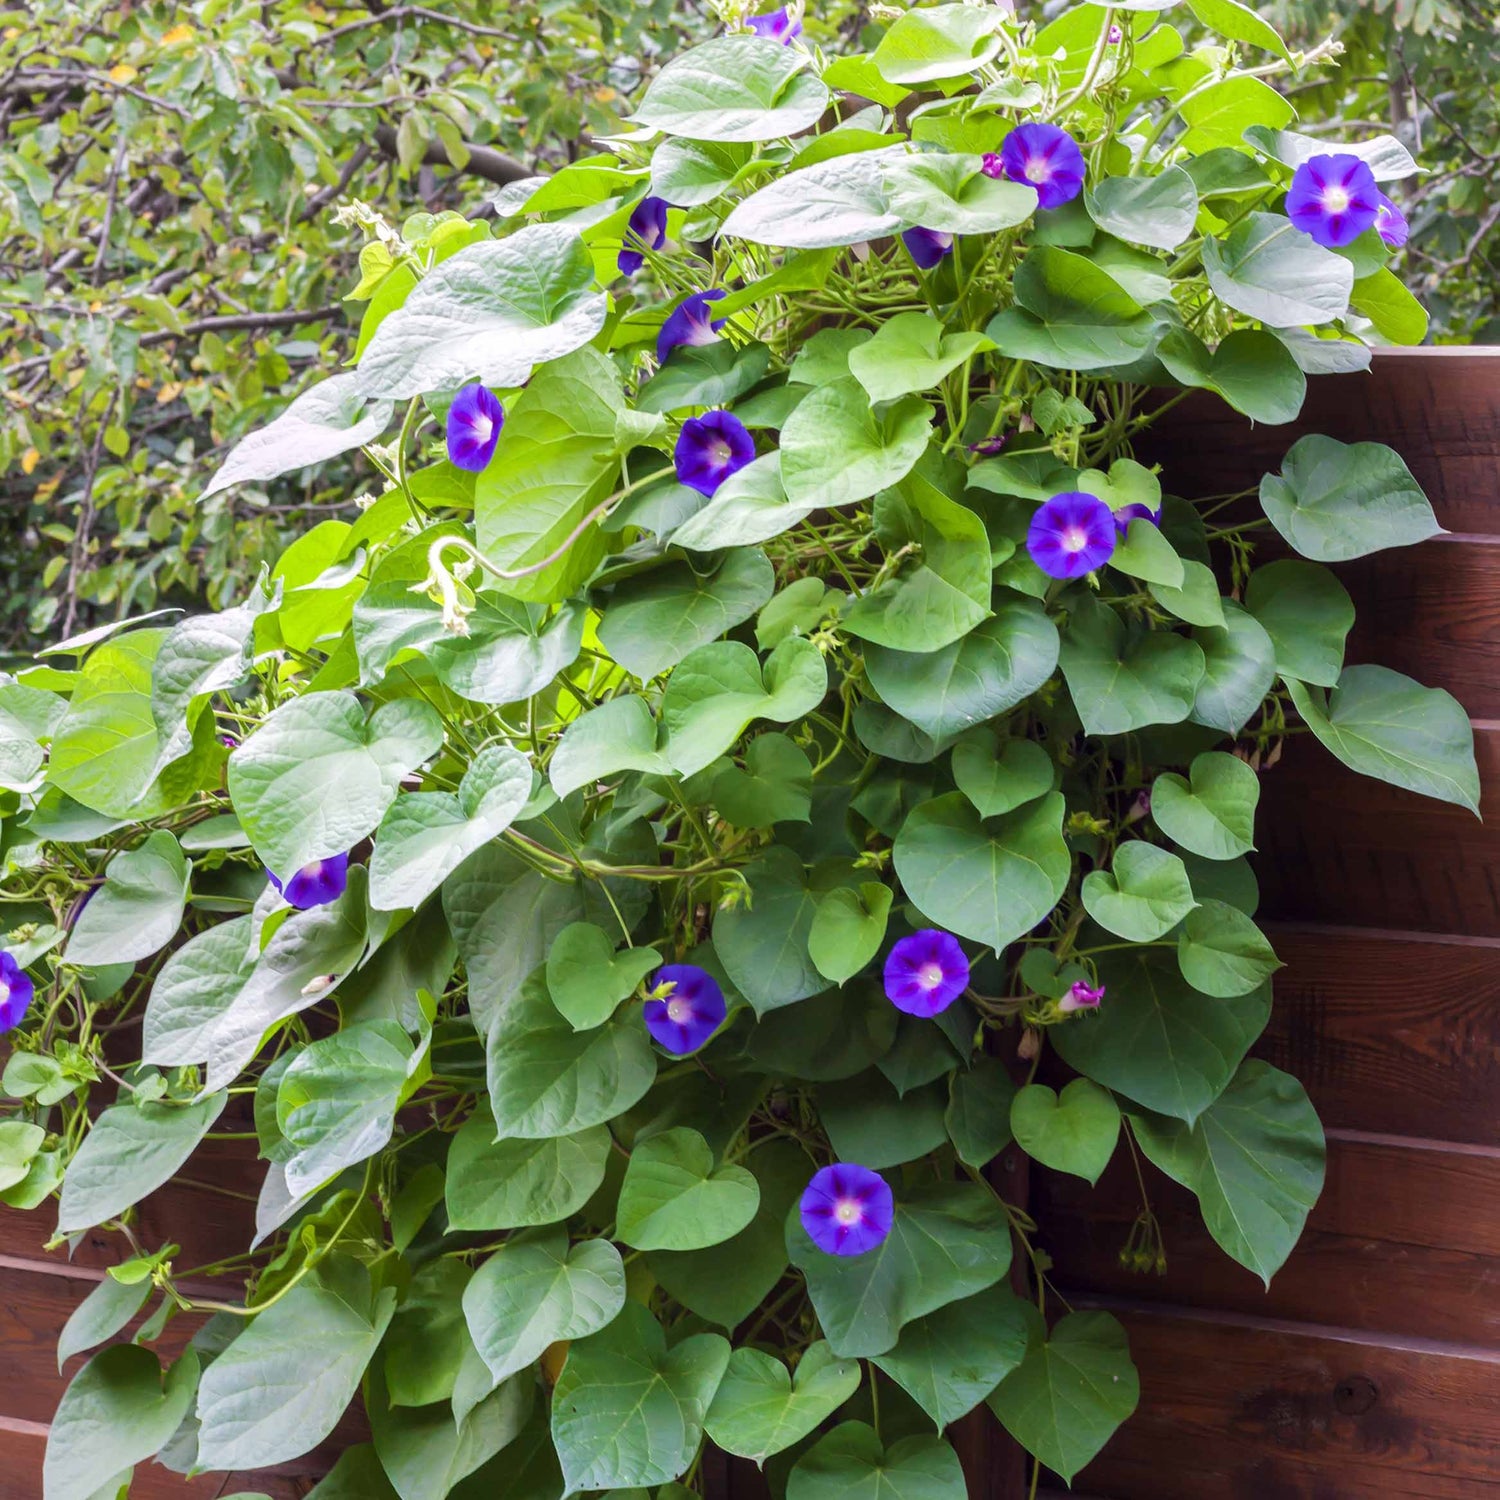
(404, 12)
(494, 166)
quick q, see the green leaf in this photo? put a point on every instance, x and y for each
(511, 1183)
(546, 1079)
(1239, 668)
(1144, 553)
(511, 651)
(734, 88)
(100, 1316)
(1160, 211)
(629, 1411)
(836, 449)
(704, 374)
(978, 1114)
(425, 836)
(852, 1464)
(774, 787)
(1157, 1040)
(1394, 312)
(1220, 113)
(554, 465)
(28, 716)
(1335, 501)
(1251, 369)
(138, 909)
(991, 880)
(691, 173)
(1307, 613)
(998, 777)
(655, 619)
(1211, 813)
(949, 1361)
(1254, 1159)
(1071, 1392)
(750, 506)
(997, 665)
(1240, 24)
(950, 193)
(130, 1151)
(327, 419)
(1196, 600)
(1074, 1131)
(619, 735)
(279, 1389)
(114, 1414)
(948, 1241)
(1222, 952)
(1274, 273)
(1384, 725)
(715, 691)
(760, 1409)
(1144, 893)
(848, 929)
(867, 1121)
(317, 776)
(944, 41)
(427, 1341)
(489, 313)
(537, 1290)
(910, 352)
(675, 1198)
(587, 979)
(842, 201)
(1123, 679)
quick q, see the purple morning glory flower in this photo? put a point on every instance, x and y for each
(926, 972)
(1137, 509)
(1072, 534)
(989, 447)
(689, 323)
(474, 423)
(847, 1210)
(927, 246)
(1333, 198)
(778, 26)
(1045, 157)
(1116, 33)
(1390, 223)
(16, 990)
(316, 884)
(710, 448)
(1081, 997)
(647, 229)
(685, 1009)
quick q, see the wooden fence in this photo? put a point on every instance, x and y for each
(1371, 1369)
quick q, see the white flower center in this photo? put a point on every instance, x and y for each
(1038, 169)
(4, 992)
(1335, 199)
(930, 976)
(679, 1011)
(483, 427)
(847, 1211)
(1074, 539)
(720, 451)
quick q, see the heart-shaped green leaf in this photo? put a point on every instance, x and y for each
(1307, 613)
(1251, 369)
(1145, 892)
(910, 352)
(1222, 952)
(836, 449)
(506, 1184)
(1158, 211)
(587, 978)
(1123, 679)
(139, 907)
(675, 1198)
(1074, 1131)
(848, 929)
(774, 787)
(998, 777)
(760, 1409)
(978, 1113)
(851, 1463)
(1239, 668)
(1212, 812)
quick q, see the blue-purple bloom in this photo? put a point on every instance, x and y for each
(689, 323)
(990, 446)
(1136, 510)
(1081, 997)
(316, 884)
(926, 972)
(647, 230)
(710, 448)
(685, 1009)
(16, 990)
(1072, 534)
(1390, 223)
(1333, 198)
(927, 246)
(1045, 157)
(847, 1209)
(474, 422)
(778, 26)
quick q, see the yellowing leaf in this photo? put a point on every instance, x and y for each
(29, 460)
(123, 73)
(179, 33)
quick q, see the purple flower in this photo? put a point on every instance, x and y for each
(1333, 198)
(927, 246)
(847, 1210)
(474, 422)
(926, 972)
(1116, 33)
(1072, 534)
(1081, 997)
(710, 448)
(685, 1009)
(689, 323)
(1390, 223)
(989, 447)
(779, 26)
(316, 884)
(647, 229)
(1136, 510)
(1047, 158)
(16, 990)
